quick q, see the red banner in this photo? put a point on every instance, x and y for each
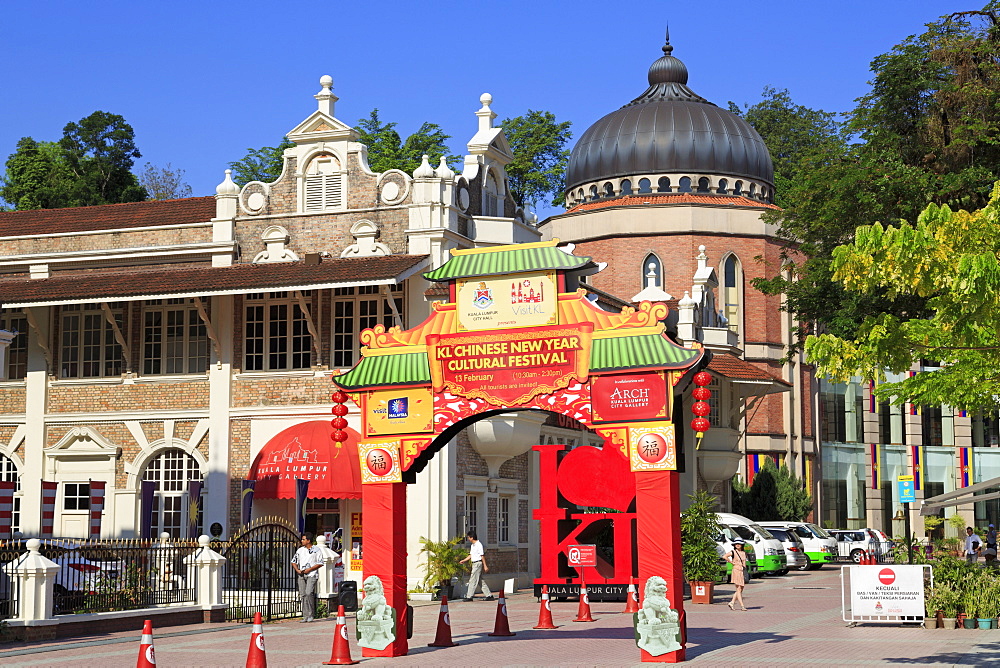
(97, 488)
(510, 367)
(49, 490)
(6, 508)
(634, 396)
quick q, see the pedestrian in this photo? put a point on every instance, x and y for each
(972, 543)
(991, 538)
(307, 562)
(738, 558)
(478, 558)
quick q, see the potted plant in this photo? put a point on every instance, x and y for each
(970, 604)
(420, 593)
(700, 553)
(932, 602)
(949, 607)
(441, 565)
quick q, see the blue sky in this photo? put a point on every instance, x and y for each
(201, 82)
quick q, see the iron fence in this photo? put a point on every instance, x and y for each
(9, 585)
(106, 575)
(258, 574)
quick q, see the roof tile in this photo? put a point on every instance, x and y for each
(152, 213)
(733, 367)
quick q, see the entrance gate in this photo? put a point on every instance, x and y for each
(258, 574)
(519, 333)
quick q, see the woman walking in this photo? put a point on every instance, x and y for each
(738, 558)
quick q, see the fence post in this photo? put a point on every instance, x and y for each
(328, 575)
(207, 565)
(35, 576)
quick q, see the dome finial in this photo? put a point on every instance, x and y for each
(667, 69)
(667, 48)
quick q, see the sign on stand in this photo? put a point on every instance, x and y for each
(582, 555)
(907, 492)
(884, 593)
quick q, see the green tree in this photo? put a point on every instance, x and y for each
(164, 182)
(699, 527)
(387, 150)
(99, 151)
(776, 494)
(261, 164)
(927, 131)
(793, 500)
(952, 260)
(34, 172)
(538, 169)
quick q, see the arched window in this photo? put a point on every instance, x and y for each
(738, 188)
(593, 192)
(172, 470)
(753, 190)
(652, 272)
(723, 184)
(609, 190)
(581, 196)
(644, 188)
(731, 283)
(8, 473)
(626, 187)
(323, 188)
(704, 186)
(493, 202)
(685, 184)
(663, 185)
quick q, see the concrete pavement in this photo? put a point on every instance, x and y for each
(793, 621)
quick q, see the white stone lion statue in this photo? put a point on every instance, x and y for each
(375, 618)
(657, 624)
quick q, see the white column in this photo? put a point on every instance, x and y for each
(328, 574)
(35, 399)
(205, 567)
(35, 576)
(216, 503)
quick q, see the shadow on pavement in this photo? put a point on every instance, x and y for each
(703, 640)
(984, 654)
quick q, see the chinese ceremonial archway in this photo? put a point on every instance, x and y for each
(516, 333)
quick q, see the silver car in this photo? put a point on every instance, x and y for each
(795, 551)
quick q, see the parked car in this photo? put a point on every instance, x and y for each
(83, 568)
(724, 545)
(795, 551)
(770, 552)
(820, 547)
(853, 543)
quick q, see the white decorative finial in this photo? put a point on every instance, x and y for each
(702, 258)
(228, 186)
(443, 171)
(424, 171)
(325, 97)
(651, 275)
(204, 540)
(486, 114)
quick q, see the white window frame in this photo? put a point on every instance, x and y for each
(8, 473)
(16, 364)
(80, 497)
(732, 295)
(354, 309)
(323, 185)
(472, 512)
(172, 469)
(90, 323)
(281, 338)
(506, 518)
(164, 352)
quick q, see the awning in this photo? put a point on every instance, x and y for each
(306, 451)
(136, 283)
(745, 377)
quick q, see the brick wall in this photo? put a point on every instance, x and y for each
(140, 396)
(281, 391)
(12, 399)
(239, 466)
(127, 239)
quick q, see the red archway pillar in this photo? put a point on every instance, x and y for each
(384, 532)
(658, 525)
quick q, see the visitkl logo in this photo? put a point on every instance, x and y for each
(399, 408)
(878, 606)
(886, 576)
(483, 297)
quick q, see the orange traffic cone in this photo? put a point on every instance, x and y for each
(255, 655)
(147, 659)
(341, 655)
(501, 627)
(443, 636)
(545, 612)
(632, 600)
(583, 612)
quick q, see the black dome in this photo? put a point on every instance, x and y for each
(669, 129)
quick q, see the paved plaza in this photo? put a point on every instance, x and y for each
(792, 621)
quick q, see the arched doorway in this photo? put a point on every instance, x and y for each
(518, 333)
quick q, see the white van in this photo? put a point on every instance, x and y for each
(821, 547)
(769, 551)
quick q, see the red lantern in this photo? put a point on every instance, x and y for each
(702, 393)
(339, 397)
(702, 378)
(701, 409)
(339, 435)
(340, 410)
(338, 423)
(700, 424)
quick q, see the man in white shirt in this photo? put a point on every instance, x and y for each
(972, 544)
(478, 558)
(307, 562)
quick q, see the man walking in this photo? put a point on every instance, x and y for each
(972, 543)
(478, 559)
(307, 563)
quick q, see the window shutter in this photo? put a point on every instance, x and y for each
(323, 191)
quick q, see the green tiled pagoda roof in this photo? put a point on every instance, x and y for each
(492, 263)
(381, 370)
(629, 352)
